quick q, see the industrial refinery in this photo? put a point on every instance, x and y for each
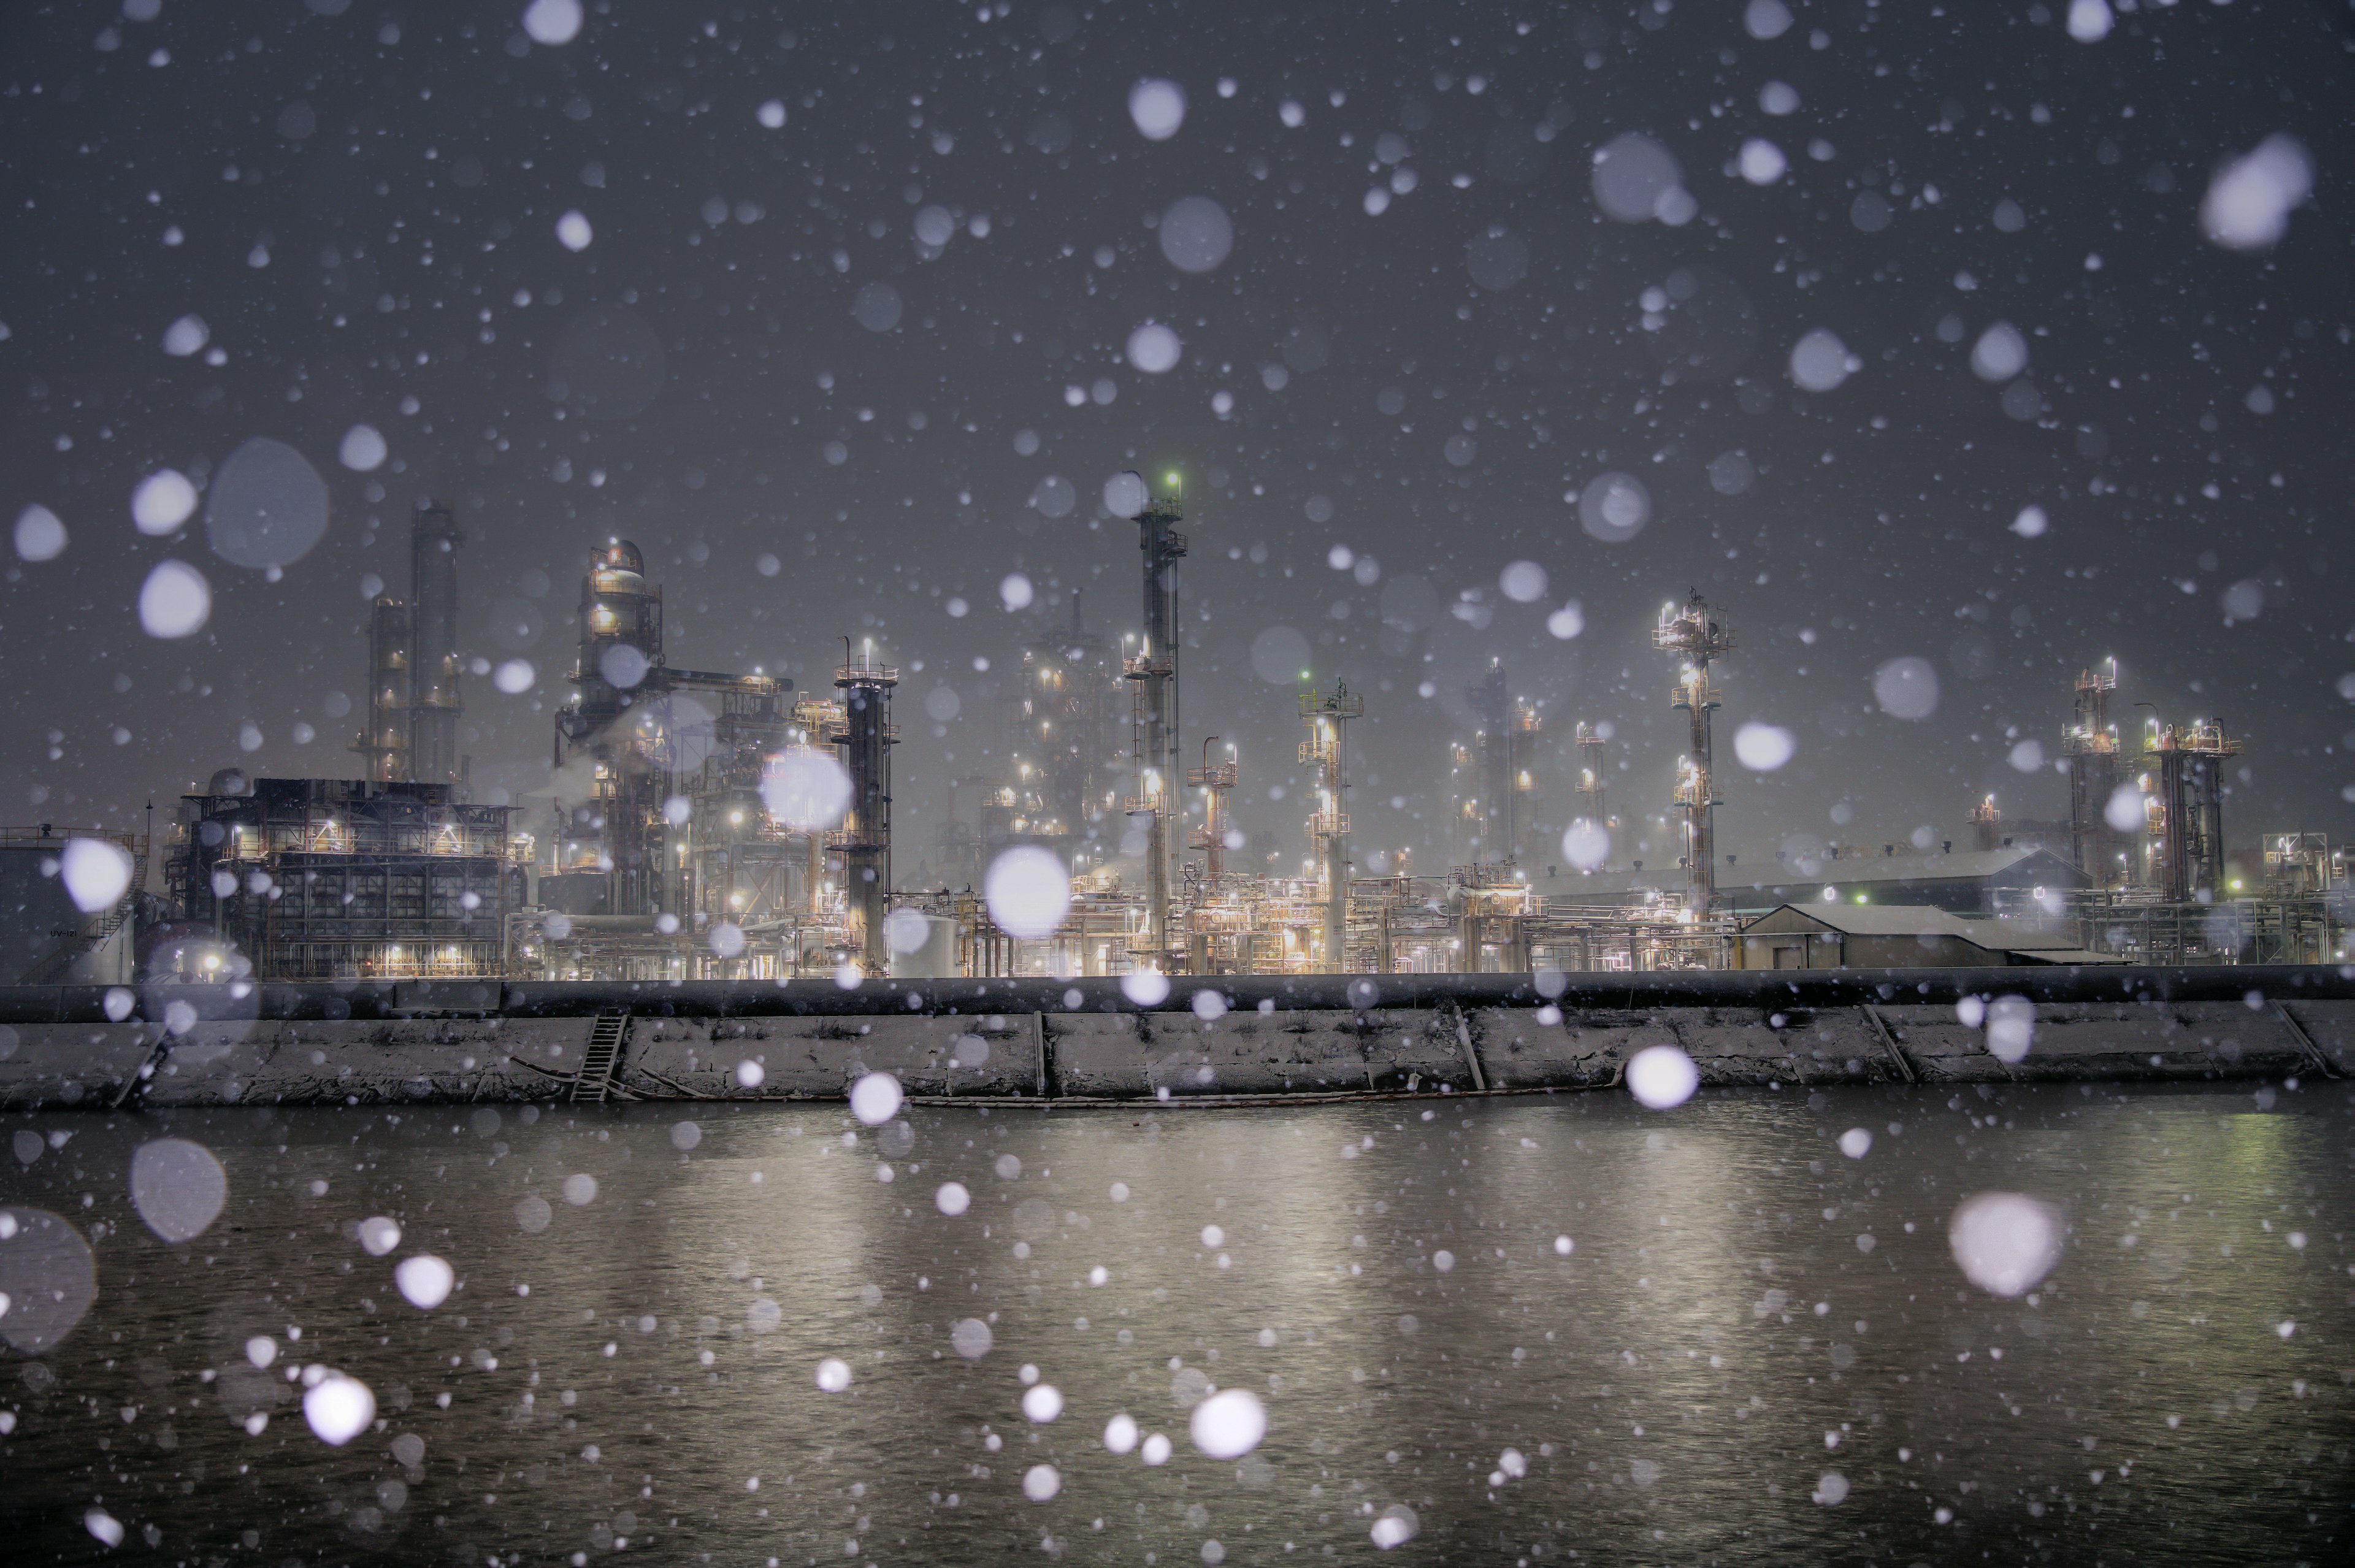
(707, 825)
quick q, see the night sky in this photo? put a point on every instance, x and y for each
(835, 372)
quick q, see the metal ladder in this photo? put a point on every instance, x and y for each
(594, 1082)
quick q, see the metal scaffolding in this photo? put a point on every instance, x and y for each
(1697, 636)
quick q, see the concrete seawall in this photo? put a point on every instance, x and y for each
(1087, 1043)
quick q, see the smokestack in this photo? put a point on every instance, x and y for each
(433, 701)
(865, 837)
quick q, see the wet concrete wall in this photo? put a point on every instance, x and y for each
(1044, 1041)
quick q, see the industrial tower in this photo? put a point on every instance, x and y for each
(2186, 810)
(1154, 714)
(1507, 725)
(866, 736)
(413, 704)
(1696, 637)
(433, 701)
(1217, 781)
(2090, 745)
(1324, 713)
(1590, 802)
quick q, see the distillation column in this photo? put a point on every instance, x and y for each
(864, 840)
(1494, 704)
(2190, 820)
(2090, 745)
(1696, 637)
(1154, 668)
(433, 703)
(1324, 713)
(1218, 780)
(1590, 776)
(385, 742)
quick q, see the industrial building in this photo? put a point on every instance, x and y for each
(45, 939)
(703, 825)
(1902, 936)
(339, 880)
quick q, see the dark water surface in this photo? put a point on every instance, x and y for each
(1749, 1324)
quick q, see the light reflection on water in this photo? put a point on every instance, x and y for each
(1681, 1385)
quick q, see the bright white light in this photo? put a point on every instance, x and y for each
(424, 1281)
(2249, 200)
(379, 1234)
(1041, 1483)
(1120, 1433)
(1763, 748)
(805, 789)
(1763, 162)
(1397, 1525)
(1158, 107)
(1563, 1246)
(174, 602)
(552, 21)
(771, 114)
(261, 1351)
(96, 873)
(1662, 1077)
(103, 1526)
(2031, 523)
(40, 535)
(1229, 1425)
(1614, 507)
(363, 450)
(1586, 845)
(953, 1199)
(2005, 1242)
(1523, 582)
(1146, 988)
(572, 231)
(2123, 810)
(185, 335)
(339, 1408)
(1156, 1450)
(750, 1074)
(1124, 495)
(2000, 354)
(513, 676)
(162, 502)
(2089, 20)
(2010, 1028)
(1906, 687)
(906, 930)
(1820, 361)
(1855, 1143)
(875, 1099)
(833, 1375)
(1766, 19)
(1567, 621)
(1028, 891)
(1154, 348)
(1208, 1005)
(1041, 1403)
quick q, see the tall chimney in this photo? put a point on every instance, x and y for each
(433, 702)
